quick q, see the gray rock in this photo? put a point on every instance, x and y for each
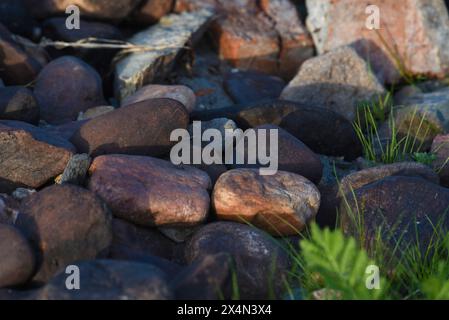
(22, 193)
(339, 80)
(440, 147)
(94, 112)
(170, 36)
(76, 170)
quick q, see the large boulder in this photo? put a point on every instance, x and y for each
(440, 147)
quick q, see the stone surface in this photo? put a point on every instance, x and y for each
(414, 30)
(16, 66)
(151, 11)
(281, 204)
(143, 128)
(94, 112)
(257, 257)
(169, 37)
(65, 224)
(18, 103)
(127, 185)
(79, 87)
(205, 279)
(111, 280)
(394, 206)
(17, 19)
(76, 170)
(292, 156)
(248, 87)
(97, 9)
(179, 93)
(440, 147)
(16, 256)
(9, 209)
(339, 80)
(29, 158)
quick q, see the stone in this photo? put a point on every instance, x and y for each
(78, 88)
(440, 147)
(95, 9)
(220, 124)
(131, 241)
(2, 84)
(127, 185)
(412, 32)
(76, 170)
(21, 193)
(16, 256)
(65, 224)
(178, 235)
(169, 37)
(9, 209)
(204, 279)
(143, 128)
(18, 103)
(111, 280)
(394, 206)
(281, 204)
(94, 112)
(293, 155)
(248, 86)
(16, 66)
(17, 19)
(179, 93)
(66, 130)
(339, 80)
(29, 159)
(257, 258)
(151, 11)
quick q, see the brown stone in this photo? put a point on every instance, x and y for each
(18, 103)
(16, 257)
(149, 191)
(29, 159)
(412, 32)
(66, 87)
(65, 224)
(440, 148)
(151, 11)
(143, 128)
(16, 66)
(183, 94)
(281, 204)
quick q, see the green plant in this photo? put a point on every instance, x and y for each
(424, 158)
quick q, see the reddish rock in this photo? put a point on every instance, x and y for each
(151, 11)
(16, 66)
(29, 158)
(414, 31)
(16, 257)
(149, 191)
(281, 204)
(66, 87)
(18, 103)
(65, 224)
(143, 128)
(98, 9)
(183, 94)
(440, 148)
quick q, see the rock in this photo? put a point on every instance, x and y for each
(333, 25)
(151, 11)
(95, 112)
(16, 256)
(143, 128)
(292, 156)
(2, 85)
(221, 124)
(9, 209)
(21, 193)
(323, 131)
(18, 103)
(29, 158)
(205, 279)
(281, 204)
(17, 19)
(76, 170)
(126, 184)
(111, 280)
(64, 224)
(61, 101)
(440, 147)
(181, 94)
(131, 241)
(257, 257)
(339, 80)
(172, 34)
(16, 66)
(66, 130)
(393, 206)
(248, 87)
(213, 170)
(178, 235)
(96, 9)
